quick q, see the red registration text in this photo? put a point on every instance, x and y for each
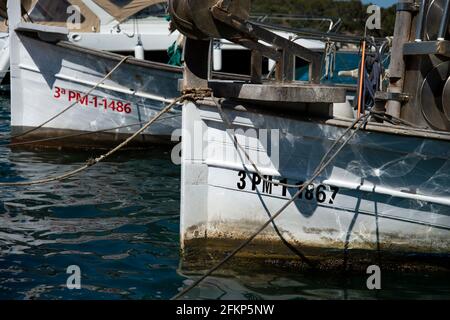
(93, 101)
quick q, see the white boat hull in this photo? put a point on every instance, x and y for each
(4, 56)
(385, 195)
(47, 78)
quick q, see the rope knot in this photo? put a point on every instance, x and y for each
(91, 162)
(195, 94)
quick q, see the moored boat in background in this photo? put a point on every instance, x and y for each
(53, 66)
(51, 74)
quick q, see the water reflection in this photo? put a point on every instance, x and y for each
(290, 286)
(119, 222)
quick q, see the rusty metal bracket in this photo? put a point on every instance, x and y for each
(408, 6)
(427, 47)
(391, 96)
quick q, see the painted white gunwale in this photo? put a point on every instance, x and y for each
(337, 122)
(365, 187)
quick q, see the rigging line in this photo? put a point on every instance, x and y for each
(72, 105)
(253, 164)
(238, 145)
(92, 162)
(26, 13)
(262, 177)
(318, 171)
(395, 120)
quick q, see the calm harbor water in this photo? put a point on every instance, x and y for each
(119, 222)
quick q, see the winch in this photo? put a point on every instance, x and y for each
(434, 14)
(427, 75)
(194, 18)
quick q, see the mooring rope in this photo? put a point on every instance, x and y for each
(9, 137)
(363, 120)
(230, 125)
(375, 114)
(238, 145)
(394, 120)
(191, 95)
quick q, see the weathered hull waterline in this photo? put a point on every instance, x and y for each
(47, 78)
(385, 199)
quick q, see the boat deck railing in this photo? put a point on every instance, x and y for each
(331, 23)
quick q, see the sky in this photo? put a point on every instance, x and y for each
(382, 3)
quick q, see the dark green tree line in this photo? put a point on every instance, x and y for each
(352, 12)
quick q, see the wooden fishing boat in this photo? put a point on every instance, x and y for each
(50, 73)
(383, 196)
(54, 63)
